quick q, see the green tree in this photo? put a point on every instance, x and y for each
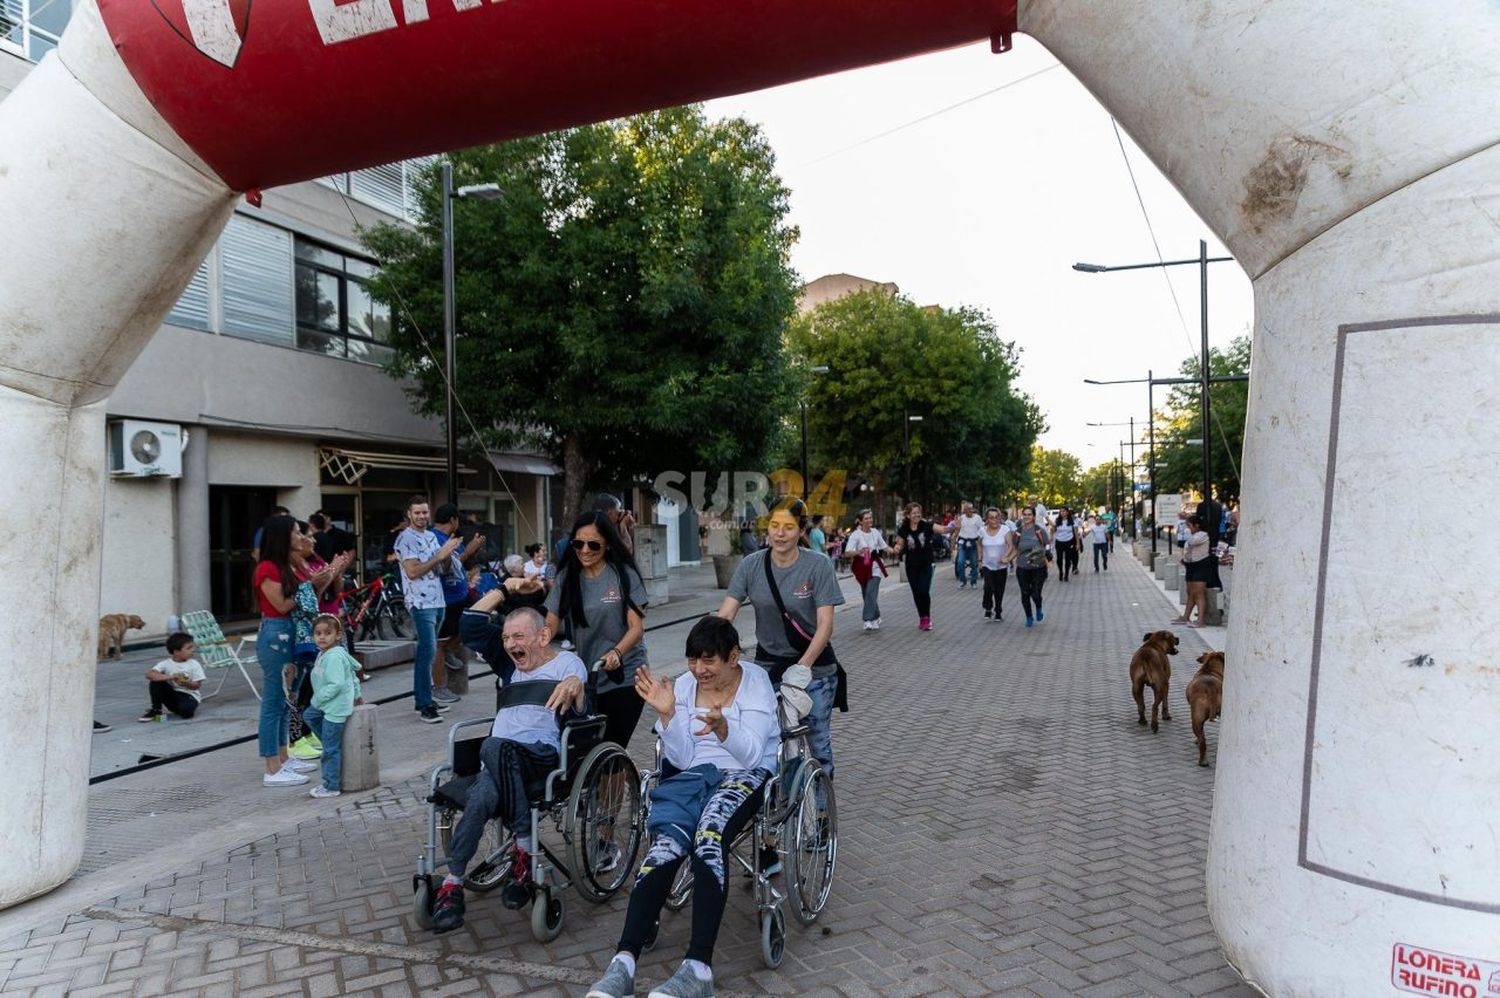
(890, 359)
(1097, 485)
(622, 308)
(1179, 465)
(1056, 476)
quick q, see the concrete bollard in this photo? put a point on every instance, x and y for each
(1213, 613)
(458, 678)
(1173, 576)
(361, 754)
(1160, 569)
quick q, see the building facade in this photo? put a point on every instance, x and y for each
(264, 384)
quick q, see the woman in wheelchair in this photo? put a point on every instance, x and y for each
(546, 684)
(720, 737)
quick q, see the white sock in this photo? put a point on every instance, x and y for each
(700, 970)
(451, 879)
(626, 960)
(524, 843)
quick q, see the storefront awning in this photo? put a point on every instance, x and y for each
(351, 465)
(522, 464)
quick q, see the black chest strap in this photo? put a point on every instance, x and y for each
(533, 694)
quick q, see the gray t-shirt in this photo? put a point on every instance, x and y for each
(604, 609)
(805, 585)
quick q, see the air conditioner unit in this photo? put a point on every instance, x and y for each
(138, 449)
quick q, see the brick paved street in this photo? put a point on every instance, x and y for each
(1006, 828)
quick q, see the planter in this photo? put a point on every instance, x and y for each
(724, 568)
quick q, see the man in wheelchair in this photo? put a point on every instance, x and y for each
(542, 685)
(721, 737)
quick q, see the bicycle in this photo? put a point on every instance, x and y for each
(377, 609)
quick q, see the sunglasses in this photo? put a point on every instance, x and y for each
(591, 545)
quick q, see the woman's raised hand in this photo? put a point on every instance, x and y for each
(657, 691)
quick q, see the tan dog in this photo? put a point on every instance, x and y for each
(1151, 667)
(1205, 696)
(112, 628)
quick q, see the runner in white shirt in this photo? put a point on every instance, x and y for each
(863, 547)
(966, 552)
(994, 558)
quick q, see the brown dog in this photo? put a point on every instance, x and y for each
(112, 628)
(1205, 696)
(1150, 667)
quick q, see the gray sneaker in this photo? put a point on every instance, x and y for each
(617, 982)
(684, 984)
(440, 694)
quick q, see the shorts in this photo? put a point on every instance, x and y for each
(1204, 570)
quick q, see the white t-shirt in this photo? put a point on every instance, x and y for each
(969, 526)
(191, 668)
(532, 568)
(754, 740)
(994, 547)
(1063, 532)
(864, 540)
(534, 725)
(1099, 532)
(1043, 515)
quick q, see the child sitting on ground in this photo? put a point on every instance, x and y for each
(335, 683)
(175, 681)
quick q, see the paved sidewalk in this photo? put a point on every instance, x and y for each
(1006, 828)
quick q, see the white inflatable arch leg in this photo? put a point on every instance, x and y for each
(112, 221)
(1348, 158)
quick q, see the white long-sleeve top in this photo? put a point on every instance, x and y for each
(754, 735)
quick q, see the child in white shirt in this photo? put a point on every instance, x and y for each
(175, 681)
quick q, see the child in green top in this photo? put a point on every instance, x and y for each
(335, 686)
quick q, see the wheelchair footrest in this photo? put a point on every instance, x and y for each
(454, 793)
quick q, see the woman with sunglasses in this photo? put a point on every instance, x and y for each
(599, 603)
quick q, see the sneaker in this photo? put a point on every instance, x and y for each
(100, 728)
(441, 694)
(448, 908)
(304, 750)
(770, 861)
(868, 625)
(1039, 616)
(617, 982)
(151, 715)
(517, 893)
(876, 622)
(430, 715)
(606, 858)
(322, 791)
(443, 708)
(313, 740)
(1029, 621)
(283, 777)
(300, 765)
(987, 615)
(684, 984)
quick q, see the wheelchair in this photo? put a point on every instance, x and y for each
(806, 837)
(592, 798)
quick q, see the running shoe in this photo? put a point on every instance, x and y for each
(448, 908)
(684, 984)
(1029, 621)
(1039, 617)
(305, 749)
(322, 792)
(429, 715)
(301, 765)
(606, 857)
(617, 982)
(518, 892)
(100, 728)
(441, 694)
(151, 715)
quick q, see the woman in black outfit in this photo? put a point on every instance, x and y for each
(915, 543)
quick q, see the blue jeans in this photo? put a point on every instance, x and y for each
(273, 650)
(427, 621)
(819, 720)
(331, 734)
(966, 561)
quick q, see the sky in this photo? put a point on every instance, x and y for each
(989, 204)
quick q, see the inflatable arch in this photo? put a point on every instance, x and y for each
(1346, 154)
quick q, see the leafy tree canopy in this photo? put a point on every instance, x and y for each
(1179, 465)
(621, 308)
(1056, 477)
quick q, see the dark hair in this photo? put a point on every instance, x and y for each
(276, 547)
(280, 511)
(606, 503)
(712, 637)
(415, 500)
(177, 642)
(447, 511)
(531, 549)
(318, 521)
(1194, 518)
(570, 571)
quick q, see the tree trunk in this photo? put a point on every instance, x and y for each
(575, 477)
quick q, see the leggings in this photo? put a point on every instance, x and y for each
(994, 588)
(920, 577)
(1064, 549)
(731, 807)
(509, 776)
(1030, 580)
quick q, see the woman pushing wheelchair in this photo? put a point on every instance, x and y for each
(720, 736)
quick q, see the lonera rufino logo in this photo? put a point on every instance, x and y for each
(214, 27)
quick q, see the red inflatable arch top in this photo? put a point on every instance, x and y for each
(255, 87)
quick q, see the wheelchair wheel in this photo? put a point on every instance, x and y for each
(682, 886)
(603, 822)
(547, 915)
(772, 937)
(421, 903)
(812, 845)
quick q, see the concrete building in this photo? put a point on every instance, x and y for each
(263, 388)
(830, 287)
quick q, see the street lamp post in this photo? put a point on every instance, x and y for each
(1201, 261)
(483, 192)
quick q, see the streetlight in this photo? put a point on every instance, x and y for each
(480, 192)
(1151, 381)
(1202, 261)
(906, 447)
(819, 369)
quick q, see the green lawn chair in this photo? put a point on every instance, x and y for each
(216, 651)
